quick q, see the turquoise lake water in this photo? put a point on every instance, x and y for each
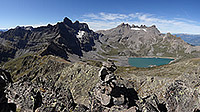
(148, 62)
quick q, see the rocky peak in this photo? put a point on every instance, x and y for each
(24, 27)
(168, 36)
(67, 21)
(154, 26)
(128, 28)
(124, 25)
(143, 26)
(28, 28)
(76, 24)
(81, 26)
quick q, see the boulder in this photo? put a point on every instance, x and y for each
(105, 99)
(119, 100)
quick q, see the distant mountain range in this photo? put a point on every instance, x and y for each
(61, 40)
(75, 41)
(3, 30)
(190, 38)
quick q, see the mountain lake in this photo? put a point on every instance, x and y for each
(148, 62)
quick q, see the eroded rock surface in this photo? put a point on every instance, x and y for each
(36, 96)
(5, 80)
(80, 87)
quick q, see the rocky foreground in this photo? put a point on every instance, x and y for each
(82, 87)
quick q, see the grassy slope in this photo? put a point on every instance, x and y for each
(79, 77)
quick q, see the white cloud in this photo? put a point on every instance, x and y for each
(101, 25)
(106, 16)
(110, 20)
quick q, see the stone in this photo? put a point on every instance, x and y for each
(37, 101)
(105, 99)
(106, 72)
(119, 100)
(109, 77)
(110, 65)
(81, 108)
(132, 109)
(102, 73)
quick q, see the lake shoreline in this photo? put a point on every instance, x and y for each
(123, 60)
(146, 62)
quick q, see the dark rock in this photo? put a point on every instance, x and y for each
(153, 26)
(7, 107)
(107, 70)
(64, 38)
(5, 79)
(81, 108)
(36, 98)
(67, 21)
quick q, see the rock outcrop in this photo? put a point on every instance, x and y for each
(34, 88)
(5, 80)
(33, 97)
(112, 93)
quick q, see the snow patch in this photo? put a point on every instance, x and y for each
(138, 29)
(144, 30)
(80, 34)
(135, 28)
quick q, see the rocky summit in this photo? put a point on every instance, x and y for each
(67, 67)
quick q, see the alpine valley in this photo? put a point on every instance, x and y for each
(67, 67)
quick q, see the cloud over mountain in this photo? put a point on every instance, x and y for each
(103, 20)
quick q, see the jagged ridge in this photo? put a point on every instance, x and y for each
(62, 39)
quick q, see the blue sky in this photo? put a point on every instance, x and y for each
(175, 16)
